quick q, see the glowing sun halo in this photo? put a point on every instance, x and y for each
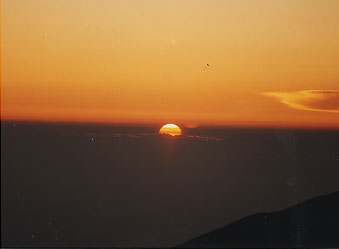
(170, 129)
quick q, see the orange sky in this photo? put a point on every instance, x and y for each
(145, 61)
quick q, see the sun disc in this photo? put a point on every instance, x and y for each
(170, 129)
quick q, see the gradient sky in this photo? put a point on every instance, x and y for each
(145, 61)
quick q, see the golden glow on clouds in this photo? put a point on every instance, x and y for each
(170, 129)
(311, 100)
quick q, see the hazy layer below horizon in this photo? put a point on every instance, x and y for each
(77, 185)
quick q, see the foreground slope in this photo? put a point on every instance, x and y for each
(312, 223)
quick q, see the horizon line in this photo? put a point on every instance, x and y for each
(233, 125)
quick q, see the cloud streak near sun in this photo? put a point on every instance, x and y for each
(311, 100)
(152, 136)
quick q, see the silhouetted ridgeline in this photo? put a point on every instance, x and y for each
(313, 223)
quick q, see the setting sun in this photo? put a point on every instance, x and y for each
(170, 129)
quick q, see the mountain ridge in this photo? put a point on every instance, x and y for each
(311, 223)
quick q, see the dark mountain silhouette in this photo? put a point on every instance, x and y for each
(312, 223)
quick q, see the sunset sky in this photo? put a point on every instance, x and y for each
(271, 63)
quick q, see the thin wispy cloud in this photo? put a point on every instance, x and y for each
(311, 100)
(94, 135)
